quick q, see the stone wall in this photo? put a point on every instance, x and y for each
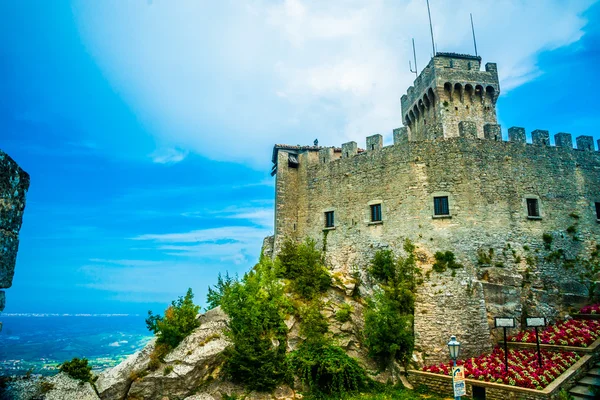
(14, 183)
(487, 183)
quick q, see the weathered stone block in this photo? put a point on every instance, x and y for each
(435, 131)
(326, 155)
(563, 139)
(349, 149)
(467, 129)
(540, 137)
(401, 136)
(374, 142)
(492, 132)
(585, 143)
(516, 134)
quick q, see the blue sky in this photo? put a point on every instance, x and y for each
(147, 129)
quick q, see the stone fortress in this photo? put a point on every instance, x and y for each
(512, 212)
(14, 183)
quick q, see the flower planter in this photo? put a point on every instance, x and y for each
(443, 384)
(553, 347)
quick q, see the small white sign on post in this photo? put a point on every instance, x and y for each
(458, 381)
(535, 322)
(502, 322)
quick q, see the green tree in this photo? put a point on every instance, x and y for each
(388, 333)
(389, 314)
(302, 264)
(180, 320)
(77, 369)
(215, 294)
(256, 306)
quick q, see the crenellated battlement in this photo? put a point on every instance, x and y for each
(466, 130)
(450, 89)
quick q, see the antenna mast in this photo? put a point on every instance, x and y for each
(431, 28)
(474, 41)
(415, 56)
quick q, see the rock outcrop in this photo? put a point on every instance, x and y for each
(194, 363)
(14, 183)
(114, 383)
(67, 388)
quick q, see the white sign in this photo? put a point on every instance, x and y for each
(458, 381)
(536, 322)
(504, 322)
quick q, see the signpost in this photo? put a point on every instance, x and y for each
(536, 322)
(458, 381)
(505, 322)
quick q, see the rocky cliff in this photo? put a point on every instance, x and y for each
(14, 183)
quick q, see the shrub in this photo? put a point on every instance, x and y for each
(168, 369)
(547, 238)
(255, 306)
(445, 260)
(343, 314)
(45, 387)
(313, 325)
(179, 321)
(302, 264)
(485, 257)
(77, 369)
(327, 369)
(157, 356)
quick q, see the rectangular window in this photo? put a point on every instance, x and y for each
(597, 210)
(440, 206)
(329, 223)
(375, 212)
(533, 209)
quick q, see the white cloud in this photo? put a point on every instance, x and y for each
(261, 216)
(168, 155)
(227, 80)
(236, 244)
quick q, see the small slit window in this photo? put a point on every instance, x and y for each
(375, 212)
(597, 211)
(533, 208)
(440, 206)
(329, 220)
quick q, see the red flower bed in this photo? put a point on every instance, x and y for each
(592, 309)
(523, 368)
(578, 333)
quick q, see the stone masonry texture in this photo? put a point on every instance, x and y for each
(14, 183)
(507, 268)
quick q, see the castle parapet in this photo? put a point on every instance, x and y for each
(516, 134)
(374, 142)
(467, 129)
(492, 132)
(401, 136)
(540, 137)
(563, 139)
(585, 143)
(349, 149)
(326, 155)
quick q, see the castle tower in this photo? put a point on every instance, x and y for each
(451, 89)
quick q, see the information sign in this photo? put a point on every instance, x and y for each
(458, 381)
(535, 322)
(503, 322)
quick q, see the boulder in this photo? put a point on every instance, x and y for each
(196, 361)
(114, 383)
(66, 388)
